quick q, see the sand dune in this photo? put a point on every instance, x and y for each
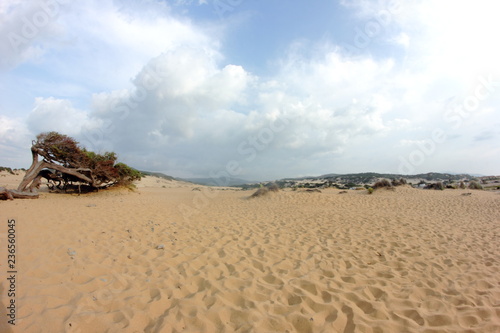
(167, 258)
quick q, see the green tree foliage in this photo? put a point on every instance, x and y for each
(55, 147)
(63, 150)
(127, 174)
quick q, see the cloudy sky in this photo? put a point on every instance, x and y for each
(258, 89)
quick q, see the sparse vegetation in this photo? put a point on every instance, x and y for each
(474, 185)
(347, 181)
(260, 192)
(131, 187)
(9, 170)
(382, 183)
(273, 187)
(263, 190)
(399, 182)
(370, 190)
(435, 186)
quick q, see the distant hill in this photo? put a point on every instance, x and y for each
(313, 177)
(371, 177)
(437, 176)
(157, 174)
(367, 177)
(351, 178)
(200, 181)
(329, 175)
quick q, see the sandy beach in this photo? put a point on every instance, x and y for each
(176, 257)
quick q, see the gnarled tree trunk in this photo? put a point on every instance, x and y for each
(31, 180)
(75, 164)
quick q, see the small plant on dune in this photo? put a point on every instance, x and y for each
(439, 186)
(370, 190)
(473, 185)
(260, 192)
(9, 170)
(382, 183)
(263, 190)
(399, 182)
(273, 187)
(462, 185)
(130, 186)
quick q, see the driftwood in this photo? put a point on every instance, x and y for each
(6, 194)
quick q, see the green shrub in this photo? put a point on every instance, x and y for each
(370, 190)
(473, 185)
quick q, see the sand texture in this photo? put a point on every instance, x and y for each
(172, 258)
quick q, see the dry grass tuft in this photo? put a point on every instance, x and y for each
(473, 185)
(382, 183)
(265, 190)
(395, 182)
(273, 188)
(260, 192)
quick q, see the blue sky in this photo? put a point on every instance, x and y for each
(256, 89)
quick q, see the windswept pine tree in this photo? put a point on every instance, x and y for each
(60, 159)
